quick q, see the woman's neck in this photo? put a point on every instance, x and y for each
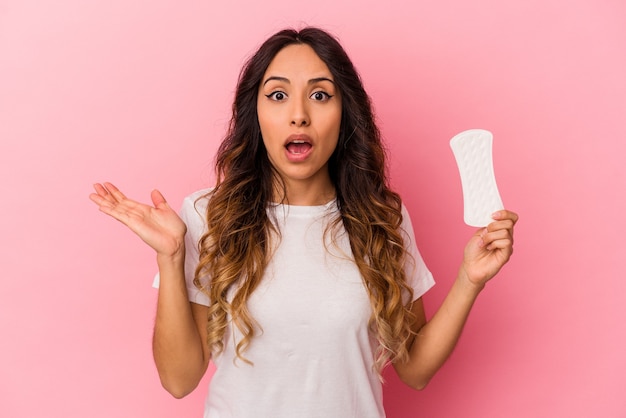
(304, 193)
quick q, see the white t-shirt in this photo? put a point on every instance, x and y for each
(314, 355)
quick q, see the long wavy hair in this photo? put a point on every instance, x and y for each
(237, 245)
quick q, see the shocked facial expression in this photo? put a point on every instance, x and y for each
(299, 111)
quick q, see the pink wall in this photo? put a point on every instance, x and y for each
(138, 92)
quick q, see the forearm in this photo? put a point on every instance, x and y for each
(484, 255)
(177, 344)
(436, 340)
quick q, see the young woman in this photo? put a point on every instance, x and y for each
(297, 274)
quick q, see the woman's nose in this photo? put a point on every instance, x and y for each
(299, 116)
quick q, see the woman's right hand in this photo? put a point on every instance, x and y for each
(158, 226)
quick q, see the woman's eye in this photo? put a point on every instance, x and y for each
(277, 95)
(320, 96)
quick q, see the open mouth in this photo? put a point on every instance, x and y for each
(298, 147)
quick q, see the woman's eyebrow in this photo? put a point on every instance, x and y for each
(286, 80)
(319, 79)
(276, 78)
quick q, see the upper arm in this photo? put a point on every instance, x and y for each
(417, 308)
(418, 311)
(200, 316)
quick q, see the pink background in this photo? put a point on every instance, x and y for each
(139, 92)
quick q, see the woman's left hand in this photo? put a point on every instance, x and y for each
(489, 248)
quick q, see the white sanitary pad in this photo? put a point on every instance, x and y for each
(472, 151)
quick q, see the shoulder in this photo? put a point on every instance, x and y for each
(406, 229)
(194, 206)
(198, 199)
(406, 218)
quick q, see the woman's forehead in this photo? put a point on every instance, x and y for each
(297, 61)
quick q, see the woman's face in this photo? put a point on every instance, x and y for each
(299, 110)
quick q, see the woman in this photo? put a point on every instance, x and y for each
(297, 274)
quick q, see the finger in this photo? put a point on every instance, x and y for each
(505, 214)
(102, 198)
(105, 194)
(118, 207)
(489, 237)
(501, 245)
(157, 198)
(97, 199)
(498, 234)
(100, 189)
(507, 225)
(498, 240)
(114, 191)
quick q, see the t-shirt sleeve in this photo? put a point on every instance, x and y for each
(193, 215)
(419, 278)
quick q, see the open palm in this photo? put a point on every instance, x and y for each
(158, 226)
